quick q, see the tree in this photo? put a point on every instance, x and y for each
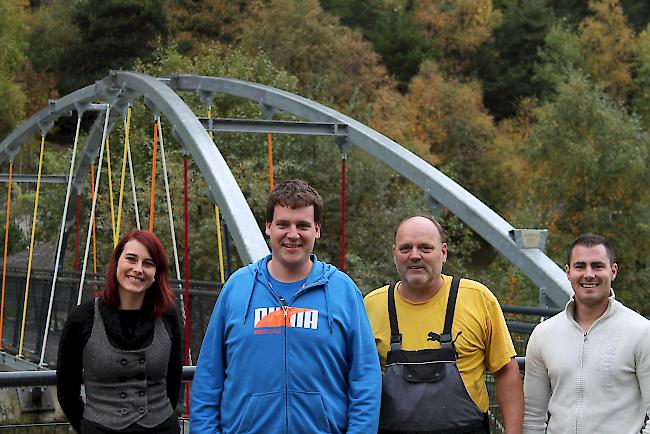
(641, 67)
(506, 65)
(211, 20)
(397, 38)
(392, 30)
(112, 34)
(637, 13)
(52, 32)
(589, 160)
(13, 45)
(455, 29)
(561, 55)
(608, 46)
(444, 122)
(332, 62)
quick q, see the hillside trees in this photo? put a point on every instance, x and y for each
(13, 47)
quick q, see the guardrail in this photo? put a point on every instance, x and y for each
(48, 377)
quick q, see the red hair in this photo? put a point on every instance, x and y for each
(159, 296)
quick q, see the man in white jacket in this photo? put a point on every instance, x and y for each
(588, 367)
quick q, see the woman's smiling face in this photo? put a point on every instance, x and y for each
(136, 269)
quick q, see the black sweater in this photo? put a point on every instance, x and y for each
(127, 330)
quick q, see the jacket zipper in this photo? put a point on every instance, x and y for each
(285, 309)
(581, 385)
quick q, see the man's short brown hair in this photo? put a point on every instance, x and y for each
(591, 240)
(294, 193)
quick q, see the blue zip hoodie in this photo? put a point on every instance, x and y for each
(304, 365)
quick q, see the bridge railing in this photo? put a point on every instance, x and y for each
(203, 295)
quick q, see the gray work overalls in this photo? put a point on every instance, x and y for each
(423, 391)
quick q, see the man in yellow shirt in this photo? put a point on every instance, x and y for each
(436, 346)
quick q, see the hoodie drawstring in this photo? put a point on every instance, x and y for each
(250, 295)
(330, 321)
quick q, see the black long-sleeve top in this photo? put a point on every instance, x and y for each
(127, 330)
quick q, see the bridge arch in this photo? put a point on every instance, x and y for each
(120, 88)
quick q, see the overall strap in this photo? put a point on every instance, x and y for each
(446, 338)
(395, 336)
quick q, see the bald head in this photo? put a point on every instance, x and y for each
(435, 225)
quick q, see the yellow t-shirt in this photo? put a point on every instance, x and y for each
(484, 342)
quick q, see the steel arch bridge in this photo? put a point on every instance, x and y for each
(112, 95)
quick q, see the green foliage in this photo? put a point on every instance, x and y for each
(52, 32)
(203, 20)
(333, 64)
(13, 44)
(641, 66)
(17, 240)
(573, 11)
(393, 32)
(506, 65)
(397, 37)
(560, 56)
(637, 13)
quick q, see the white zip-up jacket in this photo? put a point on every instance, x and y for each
(594, 382)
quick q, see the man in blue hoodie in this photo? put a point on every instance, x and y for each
(289, 348)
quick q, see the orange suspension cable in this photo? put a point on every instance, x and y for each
(4, 262)
(153, 174)
(269, 140)
(31, 247)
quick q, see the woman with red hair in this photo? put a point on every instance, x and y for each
(125, 347)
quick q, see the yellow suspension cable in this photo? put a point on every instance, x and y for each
(217, 218)
(127, 128)
(31, 247)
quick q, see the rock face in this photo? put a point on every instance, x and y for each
(26, 405)
(42, 258)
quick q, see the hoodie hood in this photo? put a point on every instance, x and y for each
(318, 277)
